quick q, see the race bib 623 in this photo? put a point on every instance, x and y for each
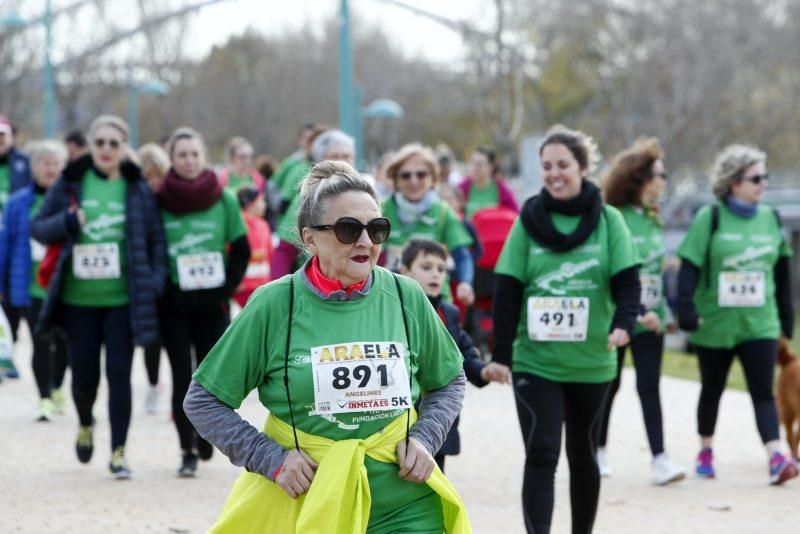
(96, 262)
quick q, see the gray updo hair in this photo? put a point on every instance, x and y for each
(730, 166)
(328, 139)
(47, 147)
(326, 180)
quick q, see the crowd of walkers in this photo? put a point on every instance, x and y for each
(362, 302)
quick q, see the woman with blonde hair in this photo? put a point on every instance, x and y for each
(634, 184)
(416, 210)
(240, 170)
(734, 297)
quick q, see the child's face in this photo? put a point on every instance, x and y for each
(429, 270)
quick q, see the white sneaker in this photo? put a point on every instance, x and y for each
(602, 462)
(151, 402)
(663, 471)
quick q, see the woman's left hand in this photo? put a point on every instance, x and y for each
(618, 338)
(416, 464)
(465, 294)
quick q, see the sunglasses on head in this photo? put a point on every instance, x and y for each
(421, 175)
(757, 179)
(347, 229)
(100, 143)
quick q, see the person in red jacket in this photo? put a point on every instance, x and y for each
(259, 237)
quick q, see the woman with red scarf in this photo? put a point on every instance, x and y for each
(208, 253)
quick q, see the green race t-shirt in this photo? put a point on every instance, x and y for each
(735, 295)
(196, 242)
(37, 253)
(488, 197)
(97, 273)
(439, 223)
(567, 307)
(648, 240)
(290, 190)
(287, 226)
(235, 181)
(250, 355)
(284, 168)
(5, 184)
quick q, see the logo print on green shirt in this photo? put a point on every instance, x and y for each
(105, 227)
(749, 255)
(566, 272)
(188, 242)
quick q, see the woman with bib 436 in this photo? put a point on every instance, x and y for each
(566, 297)
(339, 351)
(208, 253)
(734, 296)
(108, 276)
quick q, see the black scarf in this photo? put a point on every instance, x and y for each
(538, 222)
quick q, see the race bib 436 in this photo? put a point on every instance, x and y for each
(362, 376)
(741, 289)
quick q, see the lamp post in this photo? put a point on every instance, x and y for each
(153, 87)
(15, 21)
(347, 94)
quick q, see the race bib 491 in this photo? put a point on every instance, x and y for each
(558, 318)
(362, 376)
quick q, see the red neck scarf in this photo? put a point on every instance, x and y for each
(179, 195)
(327, 285)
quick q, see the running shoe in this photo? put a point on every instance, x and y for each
(8, 368)
(204, 449)
(602, 462)
(118, 465)
(84, 447)
(46, 410)
(151, 401)
(58, 401)
(188, 467)
(663, 471)
(781, 469)
(704, 466)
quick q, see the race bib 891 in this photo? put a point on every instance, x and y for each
(361, 376)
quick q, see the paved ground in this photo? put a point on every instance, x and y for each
(45, 489)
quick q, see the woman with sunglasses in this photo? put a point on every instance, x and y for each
(566, 297)
(415, 210)
(633, 184)
(208, 252)
(339, 351)
(734, 297)
(240, 171)
(108, 276)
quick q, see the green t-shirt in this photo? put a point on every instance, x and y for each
(439, 223)
(735, 295)
(100, 254)
(5, 184)
(197, 241)
(235, 181)
(569, 296)
(284, 168)
(648, 240)
(488, 197)
(37, 253)
(290, 190)
(287, 226)
(250, 355)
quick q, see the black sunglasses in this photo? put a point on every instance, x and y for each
(663, 175)
(100, 143)
(348, 229)
(421, 175)
(757, 179)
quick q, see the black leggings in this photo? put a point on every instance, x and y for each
(152, 358)
(758, 361)
(179, 333)
(88, 329)
(647, 349)
(543, 406)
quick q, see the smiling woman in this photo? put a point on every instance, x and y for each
(337, 405)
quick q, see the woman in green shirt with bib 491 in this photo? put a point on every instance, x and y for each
(566, 297)
(734, 297)
(634, 184)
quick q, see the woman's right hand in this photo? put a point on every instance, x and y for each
(296, 474)
(650, 321)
